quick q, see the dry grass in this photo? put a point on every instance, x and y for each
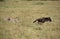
(27, 12)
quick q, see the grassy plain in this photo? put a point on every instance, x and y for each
(27, 12)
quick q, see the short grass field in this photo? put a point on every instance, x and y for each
(27, 12)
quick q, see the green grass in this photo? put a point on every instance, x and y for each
(27, 12)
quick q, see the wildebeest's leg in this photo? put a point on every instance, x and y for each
(40, 23)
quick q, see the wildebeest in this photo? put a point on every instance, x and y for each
(42, 20)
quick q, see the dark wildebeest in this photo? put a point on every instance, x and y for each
(42, 20)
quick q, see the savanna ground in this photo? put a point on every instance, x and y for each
(27, 12)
